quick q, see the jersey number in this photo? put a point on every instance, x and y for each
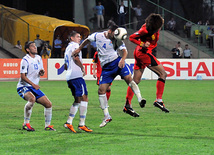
(36, 66)
(104, 45)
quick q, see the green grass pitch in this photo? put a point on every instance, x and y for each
(187, 129)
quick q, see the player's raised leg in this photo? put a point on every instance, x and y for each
(130, 94)
(159, 70)
(134, 87)
(128, 107)
(137, 78)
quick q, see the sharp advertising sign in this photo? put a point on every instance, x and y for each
(175, 68)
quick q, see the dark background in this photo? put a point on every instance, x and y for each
(62, 9)
(193, 10)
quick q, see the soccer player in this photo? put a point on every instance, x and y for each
(76, 83)
(96, 64)
(112, 65)
(146, 39)
(28, 86)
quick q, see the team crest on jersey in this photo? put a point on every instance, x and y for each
(23, 67)
(153, 37)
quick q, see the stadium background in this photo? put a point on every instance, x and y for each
(195, 10)
(80, 11)
(187, 129)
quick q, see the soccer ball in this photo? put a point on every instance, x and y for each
(120, 33)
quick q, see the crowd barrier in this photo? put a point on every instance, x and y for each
(177, 69)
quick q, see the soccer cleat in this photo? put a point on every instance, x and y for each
(84, 128)
(70, 127)
(142, 102)
(50, 128)
(130, 111)
(28, 127)
(105, 121)
(161, 106)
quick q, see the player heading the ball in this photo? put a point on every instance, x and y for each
(112, 65)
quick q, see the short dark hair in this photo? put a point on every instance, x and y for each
(72, 34)
(154, 22)
(112, 27)
(27, 45)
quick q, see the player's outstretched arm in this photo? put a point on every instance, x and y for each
(85, 42)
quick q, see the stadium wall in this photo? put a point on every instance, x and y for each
(177, 69)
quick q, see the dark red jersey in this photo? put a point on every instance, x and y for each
(143, 35)
(96, 60)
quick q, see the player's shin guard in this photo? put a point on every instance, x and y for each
(48, 116)
(28, 111)
(129, 95)
(160, 88)
(73, 110)
(104, 104)
(83, 112)
(136, 90)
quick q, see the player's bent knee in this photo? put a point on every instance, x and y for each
(163, 75)
(85, 98)
(32, 99)
(45, 102)
(137, 81)
(128, 78)
(100, 91)
(48, 105)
